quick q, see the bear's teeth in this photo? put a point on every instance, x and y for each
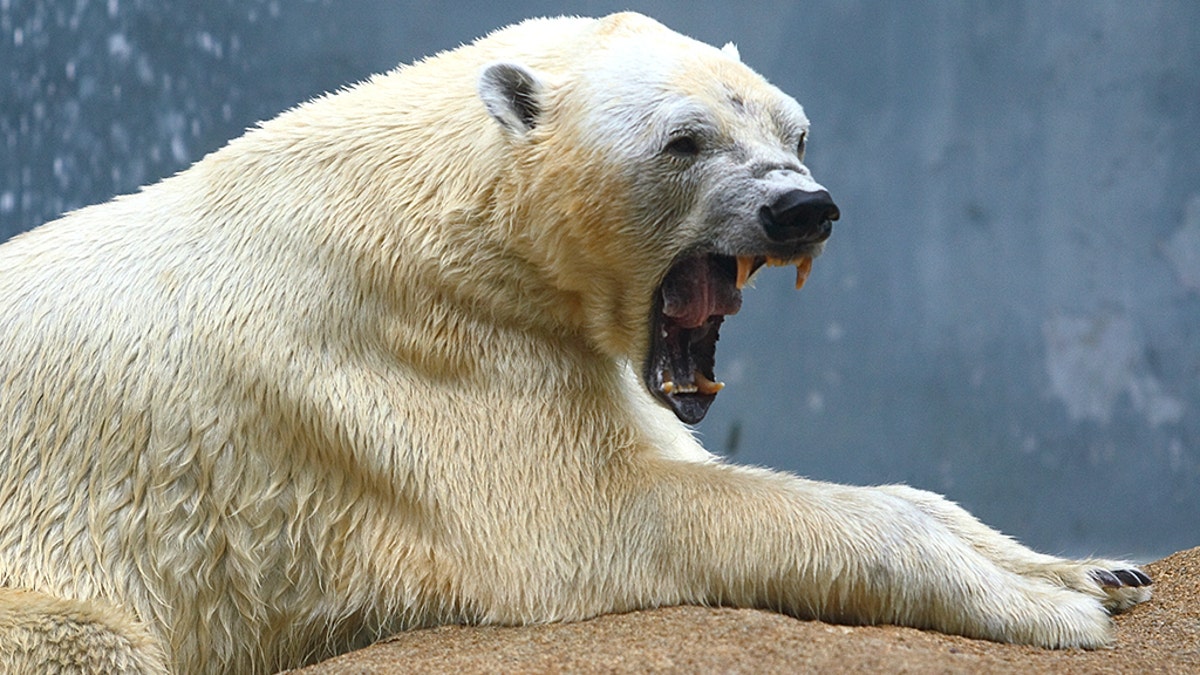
(700, 385)
(802, 269)
(745, 263)
(705, 385)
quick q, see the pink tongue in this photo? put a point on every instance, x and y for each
(695, 290)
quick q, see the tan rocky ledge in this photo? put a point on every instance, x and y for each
(1160, 636)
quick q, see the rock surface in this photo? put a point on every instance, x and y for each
(1161, 636)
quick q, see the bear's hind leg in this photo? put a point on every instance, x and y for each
(44, 634)
(1118, 585)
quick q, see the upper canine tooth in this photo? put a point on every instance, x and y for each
(802, 269)
(744, 265)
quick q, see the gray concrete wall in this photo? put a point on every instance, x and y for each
(1009, 310)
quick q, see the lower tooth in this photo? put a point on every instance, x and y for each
(707, 386)
(700, 385)
(668, 385)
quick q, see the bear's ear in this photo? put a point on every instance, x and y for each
(731, 51)
(512, 94)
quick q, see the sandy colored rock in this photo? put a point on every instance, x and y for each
(1161, 636)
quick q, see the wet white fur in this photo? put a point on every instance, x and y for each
(374, 365)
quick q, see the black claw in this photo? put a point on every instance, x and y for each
(1142, 577)
(1132, 578)
(1107, 579)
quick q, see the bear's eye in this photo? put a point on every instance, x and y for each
(800, 145)
(683, 146)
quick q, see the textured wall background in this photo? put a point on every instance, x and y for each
(1009, 311)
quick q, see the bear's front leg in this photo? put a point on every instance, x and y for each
(1118, 585)
(718, 534)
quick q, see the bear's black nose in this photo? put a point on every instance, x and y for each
(799, 216)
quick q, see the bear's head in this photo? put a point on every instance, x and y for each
(653, 175)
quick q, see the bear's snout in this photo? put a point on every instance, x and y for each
(799, 216)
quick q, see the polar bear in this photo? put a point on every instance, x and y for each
(426, 351)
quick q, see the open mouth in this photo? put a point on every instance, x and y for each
(695, 296)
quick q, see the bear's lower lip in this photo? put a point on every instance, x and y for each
(692, 301)
(680, 370)
(695, 296)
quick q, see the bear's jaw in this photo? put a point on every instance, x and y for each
(692, 301)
